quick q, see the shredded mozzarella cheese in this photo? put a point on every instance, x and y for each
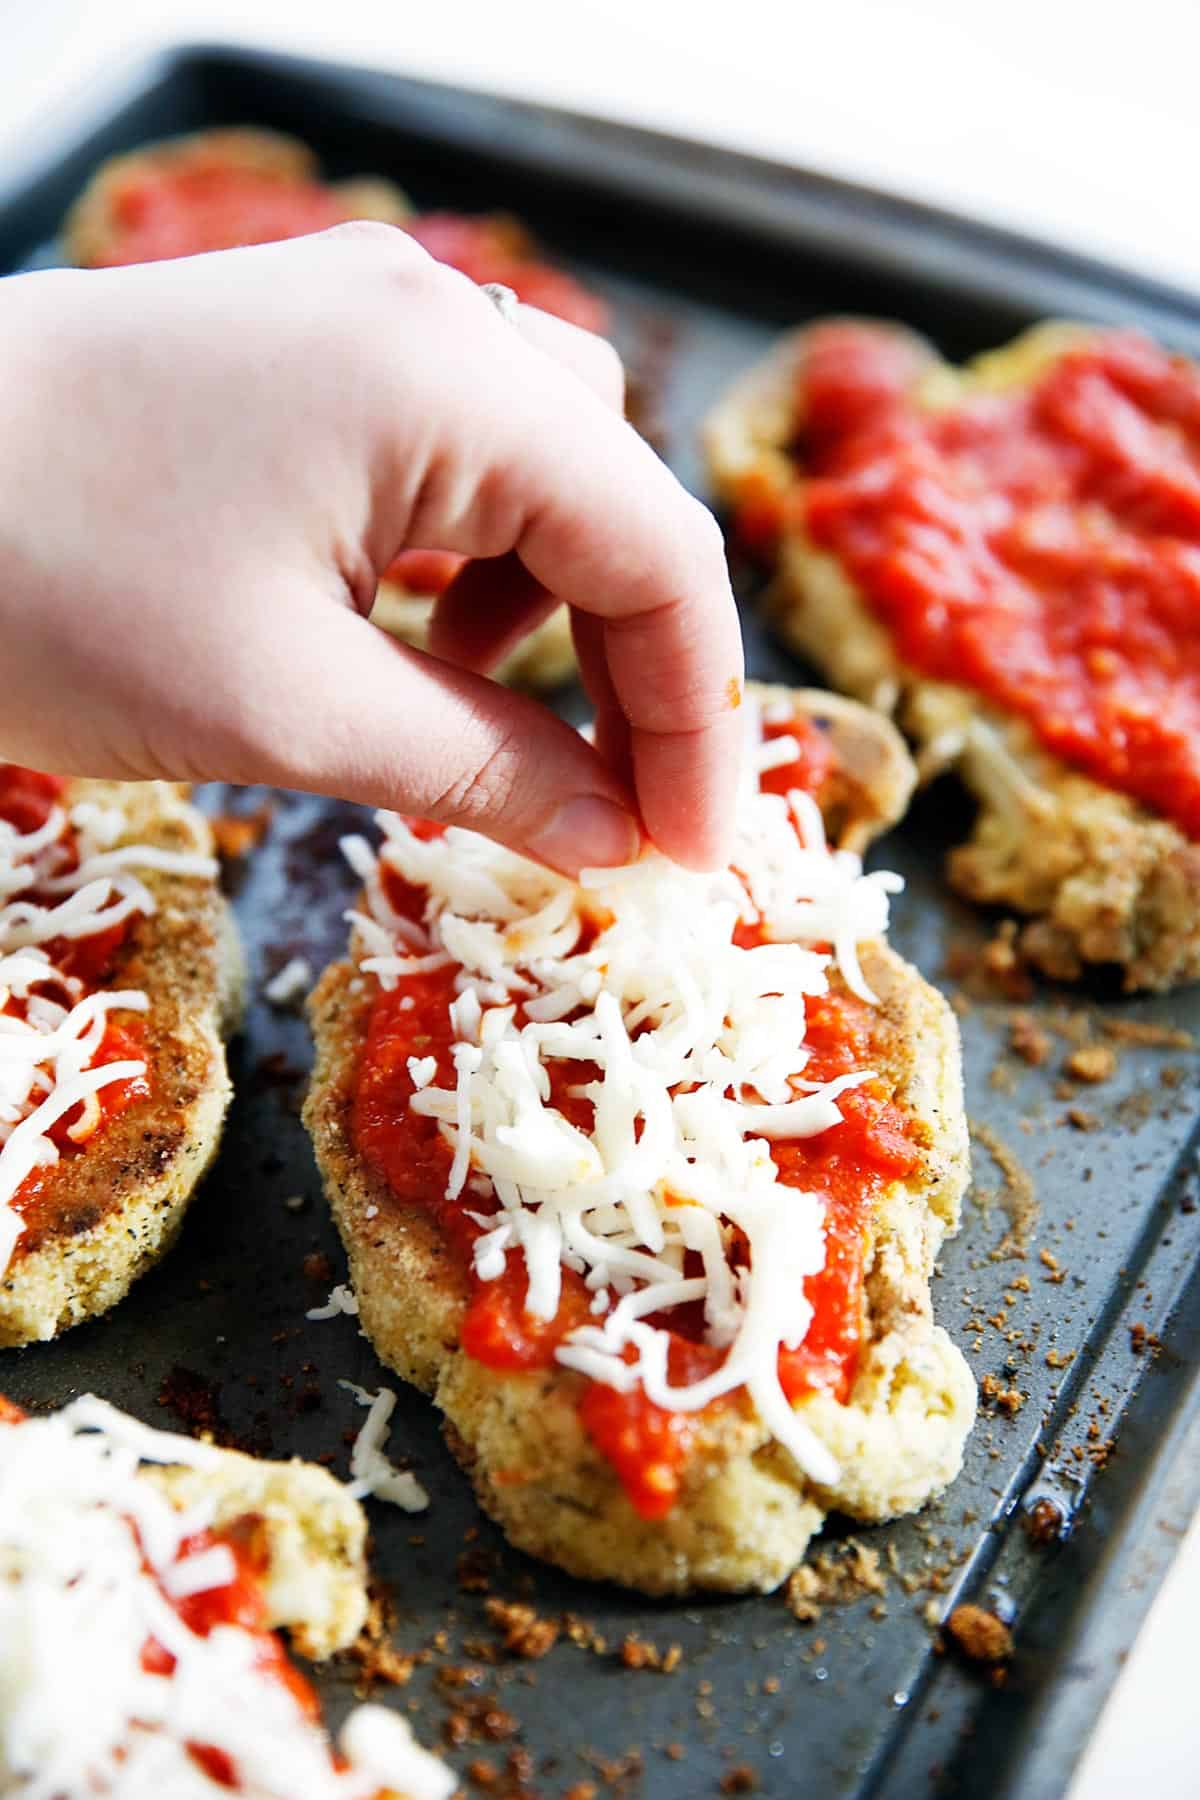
(90, 1561)
(373, 1473)
(291, 982)
(690, 1050)
(63, 881)
(341, 1300)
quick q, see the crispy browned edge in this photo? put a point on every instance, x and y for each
(746, 1514)
(115, 1209)
(88, 227)
(1102, 878)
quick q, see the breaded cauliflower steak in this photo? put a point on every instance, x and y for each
(95, 219)
(110, 1213)
(1102, 878)
(746, 1513)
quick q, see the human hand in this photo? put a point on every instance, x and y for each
(206, 464)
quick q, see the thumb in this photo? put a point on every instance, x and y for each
(354, 714)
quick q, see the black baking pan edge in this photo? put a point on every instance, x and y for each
(855, 224)
(1093, 1594)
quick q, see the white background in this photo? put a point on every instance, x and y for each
(1074, 120)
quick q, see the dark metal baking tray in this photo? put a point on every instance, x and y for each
(704, 255)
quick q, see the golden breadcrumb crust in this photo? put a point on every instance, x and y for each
(93, 223)
(746, 1513)
(545, 659)
(1103, 879)
(106, 1215)
(315, 1582)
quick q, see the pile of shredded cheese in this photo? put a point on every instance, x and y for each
(50, 1030)
(692, 1055)
(89, 1559)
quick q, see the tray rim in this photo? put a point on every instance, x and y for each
(1073, 1700)
(791, 197)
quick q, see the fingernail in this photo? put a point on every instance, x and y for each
(588, 832)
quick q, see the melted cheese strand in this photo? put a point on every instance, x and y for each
(692, 1056)
(47, 1046)
(89, 1555)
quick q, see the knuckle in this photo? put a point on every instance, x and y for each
(370, 235)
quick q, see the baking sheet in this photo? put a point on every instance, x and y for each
(704, 255)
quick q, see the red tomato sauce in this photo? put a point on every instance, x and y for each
(187, 207)
(494, 248)
(1040, 546)
(877, 1143)
(812, 765)
(242, 1604)
(427, 573)
(190, 205)
(27, 798)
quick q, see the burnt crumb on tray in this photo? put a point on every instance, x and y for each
(378, 1660)
(195, 1401)
(1044, 1522)
(524, 1632)
(1148, 1035)
(1017, 1195)
(1091, 1063)
(834, 1578)
(980, 1635)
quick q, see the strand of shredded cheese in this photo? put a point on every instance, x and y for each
(373, 1472)
(89, 1562)
(692, 1055)
(50, 1031)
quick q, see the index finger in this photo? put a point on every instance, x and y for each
(617, 537)
(609, 529)
(524, 455)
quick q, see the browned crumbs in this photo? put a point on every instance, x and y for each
(1001, 959)
(377, 1657)
(1154, 1037)
(523, 1631)
(739, 1780)
(1057, 1274)
(1010, 1400)
(194, 1400)
(582, 1790)
(583, 1634)
(1081, 1119)
(317, 1266)
(476, 1717)
(1092, 1063)
(1027, 1040)
(1017, 1194)
(1055, 1359)
(833, 1578)
(676, 1751)
(979, 1634)
(1044, 1522)
(236, 834)
(1140, 1340)
(638, 1653)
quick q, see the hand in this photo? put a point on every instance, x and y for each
(206, 464)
